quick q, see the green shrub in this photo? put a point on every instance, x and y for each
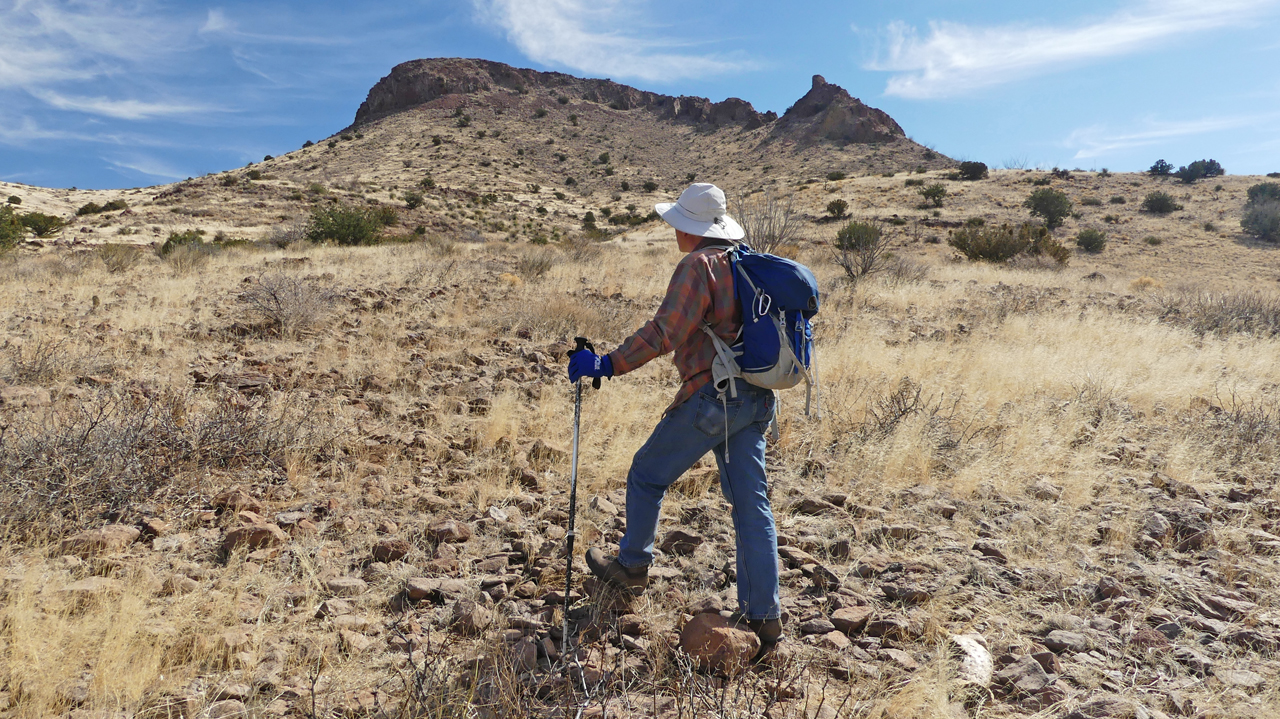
(540, 112)
(254, 175)
(14, 200)
(1003, 243)
(570, 181)
(1199, 170)
(1273, 174)
(915, 182)
(307, 144)
(412, 199)
(1160, 169)
(933, 194)
(437, 140)
(118, 258)
(562, 100)
(89, 208)
(428, 183)
(1160, 203)
(1152, 240)
(1052, 205)
(1111, 219)
(1040, 181)
(181, 239)
(650, 186)
(1091, 240)
(331, 144)
(1117, 200)
(690, 177)
(1262, 220)
(1264, 191)
(626, 186)
(10, 228)
(973, 171)
(1090, 201)
(573, 120)
(343, 225)
(836, 176)
(837, 208)
(40, 224)
(560, 195)
(464, 121)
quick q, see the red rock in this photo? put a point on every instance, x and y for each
(851, 619)
(901, 658)
(718, 646)
(237, 500)
(103, 540)
(390, 550)
(679, 541)
(448, 530)
(470, 618)
(252, 536)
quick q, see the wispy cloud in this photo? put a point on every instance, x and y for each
(576, 34)
(1099, 141)
(121, 109)
(955, 58)
(148, 166)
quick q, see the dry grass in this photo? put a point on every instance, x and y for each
(423, 383)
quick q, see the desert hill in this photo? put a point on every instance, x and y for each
(281, 479)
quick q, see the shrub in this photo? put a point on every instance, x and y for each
(1052, 205)
(331, 144)
(562, 100)
(573, 120)
(1003, 243)
(342, 225)
(540, 112)
(288, 305)
(190, 257)
(1090, 201)
(770, 221)
(1273, 174)
(255, 175)
(836, 176)
(650, 186)
(690, 177)
(1160, 169)
(40, 224)
(1040, 181)
(10, 228)
(1262, 220)
(1199, 170)
(933, 194)
(626, 186)
(1091, 240)
(915, 182)
(1152, 240)
(560, 195)
(570, 181)
(464, 121)
(412, 199)
(1264, 191)
(1111, 219)
(973, 171)
(837, 208)
(428, 183)
(268, 158)
(180, 239)
(437, 140)
(118, 258)
(1117, 200)
(307, 144)
(89, 208)
(14, 200)
(385, 216)
(603, 159)
(1160, 203)
(860, 248)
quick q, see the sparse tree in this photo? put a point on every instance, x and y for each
(769, 220)
(860, 249)
(837, 208)
(1052, 205)
(933, 194)
(1160, 169)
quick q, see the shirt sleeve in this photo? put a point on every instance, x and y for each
(687, 302)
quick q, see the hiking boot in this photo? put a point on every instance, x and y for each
(769, 631)
(608, 570)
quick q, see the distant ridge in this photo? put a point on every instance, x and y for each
(827, 113)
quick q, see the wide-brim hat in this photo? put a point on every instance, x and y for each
(701, 210)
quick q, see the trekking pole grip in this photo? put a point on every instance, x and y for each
(584, 344)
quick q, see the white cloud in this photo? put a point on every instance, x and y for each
(577, 34)
(955, 58)
(148, 166)
(1098, 141)
(121, 109)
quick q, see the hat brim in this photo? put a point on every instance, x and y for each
(723, 227)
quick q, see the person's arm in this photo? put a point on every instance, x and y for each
(687, 301)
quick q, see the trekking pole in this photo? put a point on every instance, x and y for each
(573, 495)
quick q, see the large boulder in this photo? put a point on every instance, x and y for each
(717, 645)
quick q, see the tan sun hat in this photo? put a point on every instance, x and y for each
(701, 210)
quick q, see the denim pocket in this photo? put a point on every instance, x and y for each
(710, 418)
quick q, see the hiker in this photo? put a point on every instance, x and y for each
(700, 419)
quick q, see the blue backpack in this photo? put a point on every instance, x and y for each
(774, 350)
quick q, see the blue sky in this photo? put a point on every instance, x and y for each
(106, 93)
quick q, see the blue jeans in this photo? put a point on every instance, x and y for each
(683, 437)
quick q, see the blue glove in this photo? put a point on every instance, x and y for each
(588, 364)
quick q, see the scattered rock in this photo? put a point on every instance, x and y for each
(992, 550)
(817, 626)
(1061, 640)
(1046, 491)
(448, 530)
(1245, 679)
(346, 586)
(976, 666)
(906, 593)
(718, 646)
(1025, 676)
(390, 550)
(901, 658)
(603, 506)
(103, 540)
(469, 618)
(1109, 706)
(543, 455)
(226, 709)
(813, 506)
(20, 396)
(334, 608)
(253, 534)
(436, 589)
(679, 541)
(851, 620)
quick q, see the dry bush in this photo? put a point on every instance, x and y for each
(581, 248)
(900, 271)
(77, 463)
(282, 236)
(860, 247)
(564, 316)
(769, 220)
(187, 258)
(533, 265)
(46, 359)
(288, 305)
(118, 258)
(1249, 312)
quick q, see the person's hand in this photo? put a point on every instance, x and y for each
(586, 363)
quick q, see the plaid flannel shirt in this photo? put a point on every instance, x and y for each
(701, 290)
